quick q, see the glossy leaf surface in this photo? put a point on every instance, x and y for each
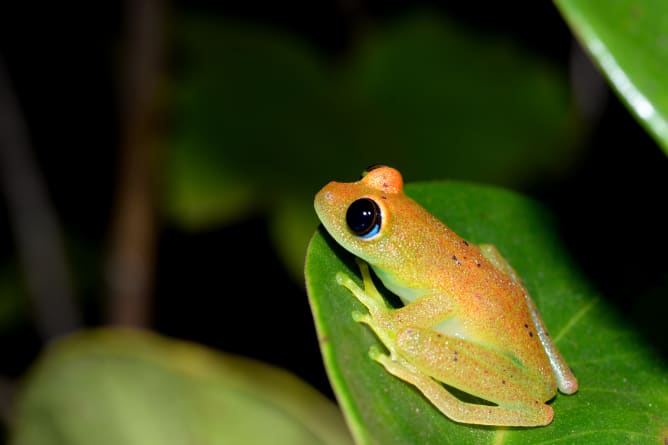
(628, 39)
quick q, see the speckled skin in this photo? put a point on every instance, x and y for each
(467, 320)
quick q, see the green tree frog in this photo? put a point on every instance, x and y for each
(467, 319)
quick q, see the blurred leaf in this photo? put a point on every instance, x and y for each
(453, 103)
(628, 39)
(291, 226)
(261, 118)
(254, 110)
(623, 385)
(131, 387)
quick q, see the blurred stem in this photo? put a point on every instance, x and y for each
(36, 230)
(132, 255)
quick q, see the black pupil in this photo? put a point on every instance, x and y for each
(362, 216)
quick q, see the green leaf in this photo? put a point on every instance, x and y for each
(628, 39)
(623, 396)
(130, 387)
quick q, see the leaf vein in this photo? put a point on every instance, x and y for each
(607, 358)
(575, 318)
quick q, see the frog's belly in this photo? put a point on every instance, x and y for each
(492, 337)
(453, 327)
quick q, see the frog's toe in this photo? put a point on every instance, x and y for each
(374, 353)
(361, 317)
(379, 356)
(342, 278)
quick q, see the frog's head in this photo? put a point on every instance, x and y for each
(358, 215)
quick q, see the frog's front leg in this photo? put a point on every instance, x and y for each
(374, 302)
(369, 296)
(384, 320)
(419, 313)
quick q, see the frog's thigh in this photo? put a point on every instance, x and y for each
(566, 380)
(458, 410)
(470, 367)
(474, 370)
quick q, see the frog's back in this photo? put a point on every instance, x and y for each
(489, 307)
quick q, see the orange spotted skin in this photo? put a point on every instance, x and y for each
(453, 290)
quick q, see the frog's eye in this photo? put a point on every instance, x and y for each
(363, 218)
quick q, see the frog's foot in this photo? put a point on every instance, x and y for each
(369, 296)
(384, 359)
(381, 333)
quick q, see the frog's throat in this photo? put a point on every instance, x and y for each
(401, 289)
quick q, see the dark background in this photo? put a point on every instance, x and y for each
(63, 65)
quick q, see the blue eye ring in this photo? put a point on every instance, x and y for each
(364, 218)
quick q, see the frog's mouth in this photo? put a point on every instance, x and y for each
(326, 207)
(324, 199)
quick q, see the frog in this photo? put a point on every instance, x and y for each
(466, 321)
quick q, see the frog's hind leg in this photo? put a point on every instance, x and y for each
(456, 409)
(566, 380)
(425, 357)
